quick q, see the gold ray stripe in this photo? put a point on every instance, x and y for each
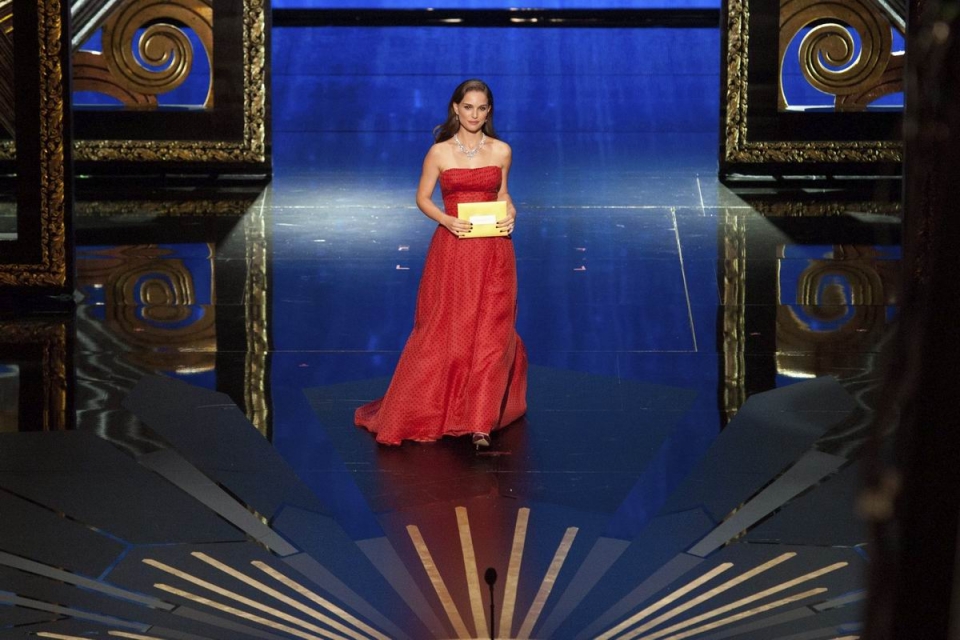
(213, 604)
(743, 601)
(472, 574)
(747, 614)
(659, 604)
(313, 613)
(513, 573)
(132, 636)
(58, 636)
(253, 604)
(434, 574)
(752, 573)
(547, 585)
(295, 586)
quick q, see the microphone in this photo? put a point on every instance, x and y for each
(490, 577)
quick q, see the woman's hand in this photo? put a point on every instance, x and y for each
(510, 221)
(456, 226)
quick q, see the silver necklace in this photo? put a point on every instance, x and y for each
(470, 152)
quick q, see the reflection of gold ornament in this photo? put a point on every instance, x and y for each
(807, 353)
(850, 291)
(257, 312)
(256, 303)
(818, 282)
(733, 292)
(829, 59)
(51, 336)
(149, 298)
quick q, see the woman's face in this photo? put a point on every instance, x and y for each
(473, 110)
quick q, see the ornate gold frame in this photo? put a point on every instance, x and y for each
(252, 147)
(52, 269)
(738, 146)
(165, 208)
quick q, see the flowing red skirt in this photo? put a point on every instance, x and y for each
(464, 368)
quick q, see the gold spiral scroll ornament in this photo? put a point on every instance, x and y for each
(828, 56)
(163, 44)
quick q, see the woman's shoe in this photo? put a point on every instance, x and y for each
(481, 440)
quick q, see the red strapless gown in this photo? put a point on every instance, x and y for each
(464, 368)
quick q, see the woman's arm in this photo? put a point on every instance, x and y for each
(428, 182)
(504, 195)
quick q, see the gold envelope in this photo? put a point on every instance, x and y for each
(484, 216)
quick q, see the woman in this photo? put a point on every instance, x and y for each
(464, 368)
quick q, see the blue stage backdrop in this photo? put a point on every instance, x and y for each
(497, 4)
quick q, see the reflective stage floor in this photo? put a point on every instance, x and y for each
(178, 461)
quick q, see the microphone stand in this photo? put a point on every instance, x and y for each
(490, 577)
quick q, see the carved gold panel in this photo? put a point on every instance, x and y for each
(161, 44)
(166, 54)
(118, 74)
(829, 57)
(740, 145)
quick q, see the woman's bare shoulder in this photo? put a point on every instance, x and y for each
(498, 145)
(442, 149)
(501, 150)
(437, 155)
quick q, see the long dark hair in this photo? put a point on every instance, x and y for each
(449, 128)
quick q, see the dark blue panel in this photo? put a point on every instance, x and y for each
(569, 80)
(488, 52)
(495, 4)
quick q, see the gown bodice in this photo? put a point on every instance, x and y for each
(469, 185)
